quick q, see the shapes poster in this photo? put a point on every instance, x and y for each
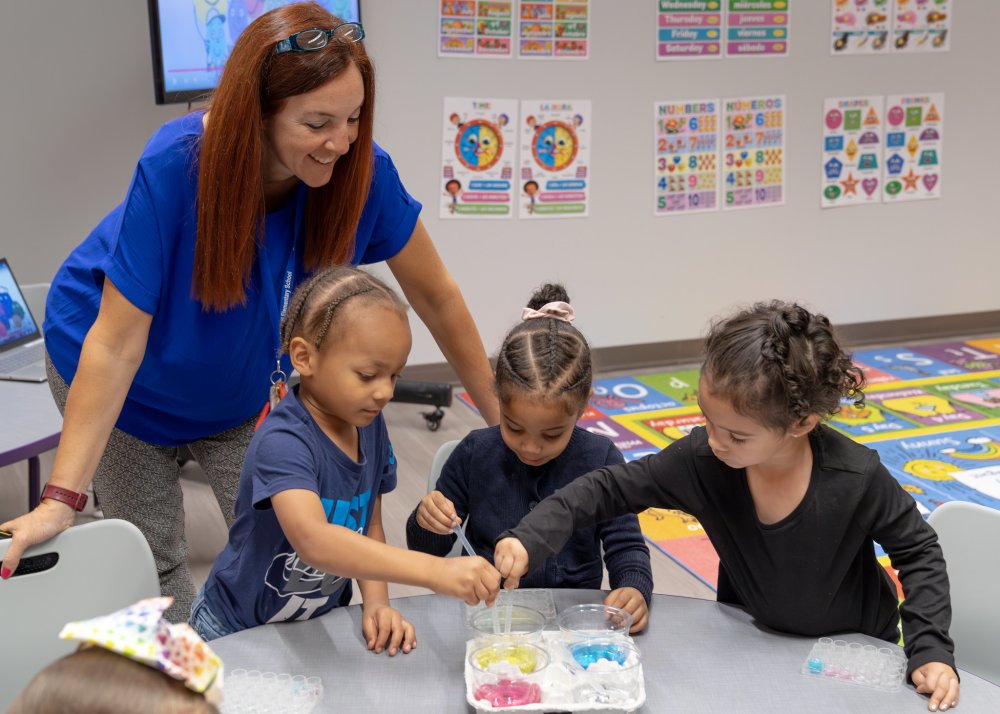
(914, 137)
(555, 159)
(475, 28)
(478, 154)
(921, 25)
(686, 165)
(553, 29)
(852, 151)
(757, 28)
(861, 27)
(688, 29)
(753, 152)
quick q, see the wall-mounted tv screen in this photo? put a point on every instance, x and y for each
(191, 40)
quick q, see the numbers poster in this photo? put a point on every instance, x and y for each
(555, 159)
(757, 28)
(884, 26)
(686, 172)
(688, 29)
(553, 29)
(852, 151)
(753, 152)
(478, 154)
(475, 28)
(914, 152)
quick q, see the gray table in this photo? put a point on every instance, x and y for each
(698, 656)
(31, 426)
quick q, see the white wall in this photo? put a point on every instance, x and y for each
(78, 105)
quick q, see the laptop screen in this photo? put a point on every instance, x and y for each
(17, 325)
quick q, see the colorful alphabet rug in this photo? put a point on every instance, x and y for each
(931, 411)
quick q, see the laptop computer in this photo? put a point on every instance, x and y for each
(22, 350)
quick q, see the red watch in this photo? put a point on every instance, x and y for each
(74, 500)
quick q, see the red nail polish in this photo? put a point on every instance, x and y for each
(5, 573)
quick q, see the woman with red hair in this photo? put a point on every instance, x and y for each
(162, 326)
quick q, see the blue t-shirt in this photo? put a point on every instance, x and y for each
(258, 577)
(204, 371)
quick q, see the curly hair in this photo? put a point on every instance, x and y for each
(778, 363)
(545, 358)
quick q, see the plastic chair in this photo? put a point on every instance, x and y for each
(968, 534)
(85, 571)
(443, 452)
(34, 295)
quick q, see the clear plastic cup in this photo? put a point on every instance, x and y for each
(508, 674)
(583, 622)
(609, 671)
(502, 623)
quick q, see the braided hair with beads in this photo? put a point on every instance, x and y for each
(545, 357)
(778, 363)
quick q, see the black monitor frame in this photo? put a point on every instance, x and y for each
(181, 96)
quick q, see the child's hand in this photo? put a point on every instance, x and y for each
(632, 601)
(469, 578)
(940, 681)
(512, 561)
(437, 514)
(385, 628)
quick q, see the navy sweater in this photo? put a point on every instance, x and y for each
(493, 490)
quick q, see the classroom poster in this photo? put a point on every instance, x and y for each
(686, 163)
(921, 25)
(555, 159)
(478, 154)
(852, 151)
(914, 152)
(475, 28)
(753, 152)
(757, 28)
(688, 29)
(553, 29)
(861, 26)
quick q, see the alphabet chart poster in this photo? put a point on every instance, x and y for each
(475, 28)
(553, 29)
(753, 152)
(852, 151)
(861, 26)
(914, 137)
(555, 159)
(688, 29)
(921, 26)
(757, 28)
(477, 158)
(686, 165)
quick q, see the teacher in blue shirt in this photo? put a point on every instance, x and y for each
(162, 326)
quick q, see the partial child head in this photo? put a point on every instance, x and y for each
(774, 367)
(543, 378)
(348, 336)
(97, 681)
(132, 660)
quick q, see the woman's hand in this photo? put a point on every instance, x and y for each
(632, 601)
(384, 627)
(938, 680)
(437, 514)
(47, 520)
